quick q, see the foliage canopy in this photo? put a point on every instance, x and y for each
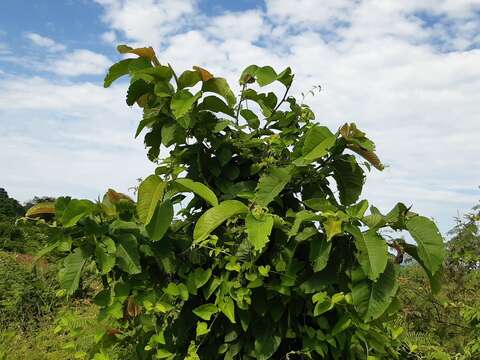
(250, 241)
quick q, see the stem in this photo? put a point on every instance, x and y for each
(240, 104)
(279, 104)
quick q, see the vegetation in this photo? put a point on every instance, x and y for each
(264, 261)
(250, 241)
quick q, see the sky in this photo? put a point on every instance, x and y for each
(407, 72)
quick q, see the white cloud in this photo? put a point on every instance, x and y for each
(148, 21)
(45, 42)
(109, 37)
(79, 62)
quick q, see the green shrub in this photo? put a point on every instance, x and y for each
(26, 295)
(268, 259)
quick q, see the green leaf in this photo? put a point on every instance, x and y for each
(76, 210)
(265, 75)
(435, 279)
(314, 137)
(258, 230)
(202, 328)
(161, 220)
(128, 258)
(372, 251)
(182, 102)
(198, 188)
(188, 78)
(319, 253)
(172, 133)
(349, 177)
(117, 70)
(150, 192)
(215, 216)
(136, 90)
(269, 186)
(333, 225)
(430, 243)
(227, 307)
(300, 217)
(215, 104)
(205, 311)
(371, 299)
(197, 279)
(252, 119)
(319, 150)
(220, 86)
(105, 259)
(265, 346)
(73, 265)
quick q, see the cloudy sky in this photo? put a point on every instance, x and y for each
(408, 72)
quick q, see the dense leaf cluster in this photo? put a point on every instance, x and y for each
(249, 241)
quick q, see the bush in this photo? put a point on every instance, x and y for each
(26, 295)
(268, 259)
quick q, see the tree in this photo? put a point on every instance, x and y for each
(9, 206)
(265, 260)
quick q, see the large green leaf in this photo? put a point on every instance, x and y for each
(205, 311)
(128, 258)
(227, 307)
(317, 143)
(435, 279)
(117, 70)
(266, 345)
(319, 253)
(220, 86)
(258, 230)
(372, 251)
(43, 208)
(76, 210)
(430, 243)
(349, 177)
(272, 184)
(161, 220)
(73, 265)
(371, 299)
(215, 216)
(150, 192)
(198, 188)
(188, 78)
(196, 279)
(182, 102)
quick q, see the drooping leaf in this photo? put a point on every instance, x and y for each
(188, 78)
(198, 188)
(371, 299)
(252, 119)
(315, 136)
(128, 258)
(43, 208)
(105, 260)
(215, 216)
(150, 192)
(70, 274)
(333, 225)
(372, 252)
(76, 210)
(258, 230)
(272, 184)
(145, 52)
(215, 104)
(349, 177)
(430, 243)
(196, 279)
(117, 70)
(227, 307)
(205, 75)
(205, 311)
(161, 220)
(435, 279)
(220, 86)
(319, 253)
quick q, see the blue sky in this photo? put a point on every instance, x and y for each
(408, 72)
